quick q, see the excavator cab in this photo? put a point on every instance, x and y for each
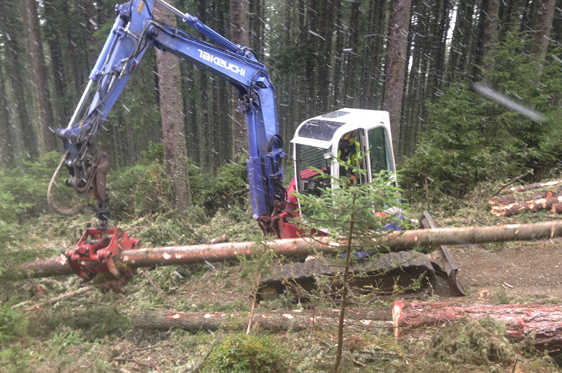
(336, 143)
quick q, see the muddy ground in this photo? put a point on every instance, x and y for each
(524, 270)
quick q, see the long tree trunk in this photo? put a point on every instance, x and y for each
(521, 320)
(488, 37)
(35, 44)
(398, 241)
(171, 110)
(325, 50)
(240, 28)
(8, 142)
(360, 320)
(15, 70)
(395, 63)
(543, 25)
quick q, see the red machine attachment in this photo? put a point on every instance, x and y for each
(95, 250)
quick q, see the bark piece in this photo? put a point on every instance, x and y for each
(534, 205)
(523, 188)
(359, 320)
(520, 319)
(298, 247)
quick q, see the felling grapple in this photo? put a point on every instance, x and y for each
(95, 251)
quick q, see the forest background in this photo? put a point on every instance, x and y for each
(415, 58)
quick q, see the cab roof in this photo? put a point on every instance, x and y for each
(322, 130)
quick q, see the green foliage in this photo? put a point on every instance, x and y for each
(66, 338)
(468, 139)
(370, 206)
(479, 342)
(12, 324)
(246, 354)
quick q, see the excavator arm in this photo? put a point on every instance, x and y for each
(133, 31)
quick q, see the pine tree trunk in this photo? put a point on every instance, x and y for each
(15, 68)
(395, 63)
(240, 28)
(325, 47)
(7, 143)
(352, 56)
(169, 85)
(37, 69)
(543, 25)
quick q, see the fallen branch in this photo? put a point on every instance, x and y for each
(534, 205)
(231, 251)
(153, 284)
(520, 320)
(362, 320)
(59, 298)
(512, 182)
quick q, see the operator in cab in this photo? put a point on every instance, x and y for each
(348, 153)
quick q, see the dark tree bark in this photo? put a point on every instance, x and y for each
(460, 45)
(489, 17)
(395, 63)
(240, 27)
(326, 30)
(7, 141)
(352, 55)
(37, 68)
(15, 68)
(337, 76)
(91, 25)
(311, 63)
(543, 25)
(61, 106)
(169, 86)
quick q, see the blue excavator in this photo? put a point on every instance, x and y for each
(317, 142)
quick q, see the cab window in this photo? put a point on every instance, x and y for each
(379, 151)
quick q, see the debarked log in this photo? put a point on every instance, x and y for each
(523, 188)
(520, 320)
(357, 320)
(232, 251)
(534, 205)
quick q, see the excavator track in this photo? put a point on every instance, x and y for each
(402, 271)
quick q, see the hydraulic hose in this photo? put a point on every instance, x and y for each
(50, 199)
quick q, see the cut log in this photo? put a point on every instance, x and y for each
(522, 197)
(534, 205)
(355, 320)
(523, 188)
(556, 208)
(520, 319)
(231, 251)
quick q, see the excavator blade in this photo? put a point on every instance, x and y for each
(442, 261)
